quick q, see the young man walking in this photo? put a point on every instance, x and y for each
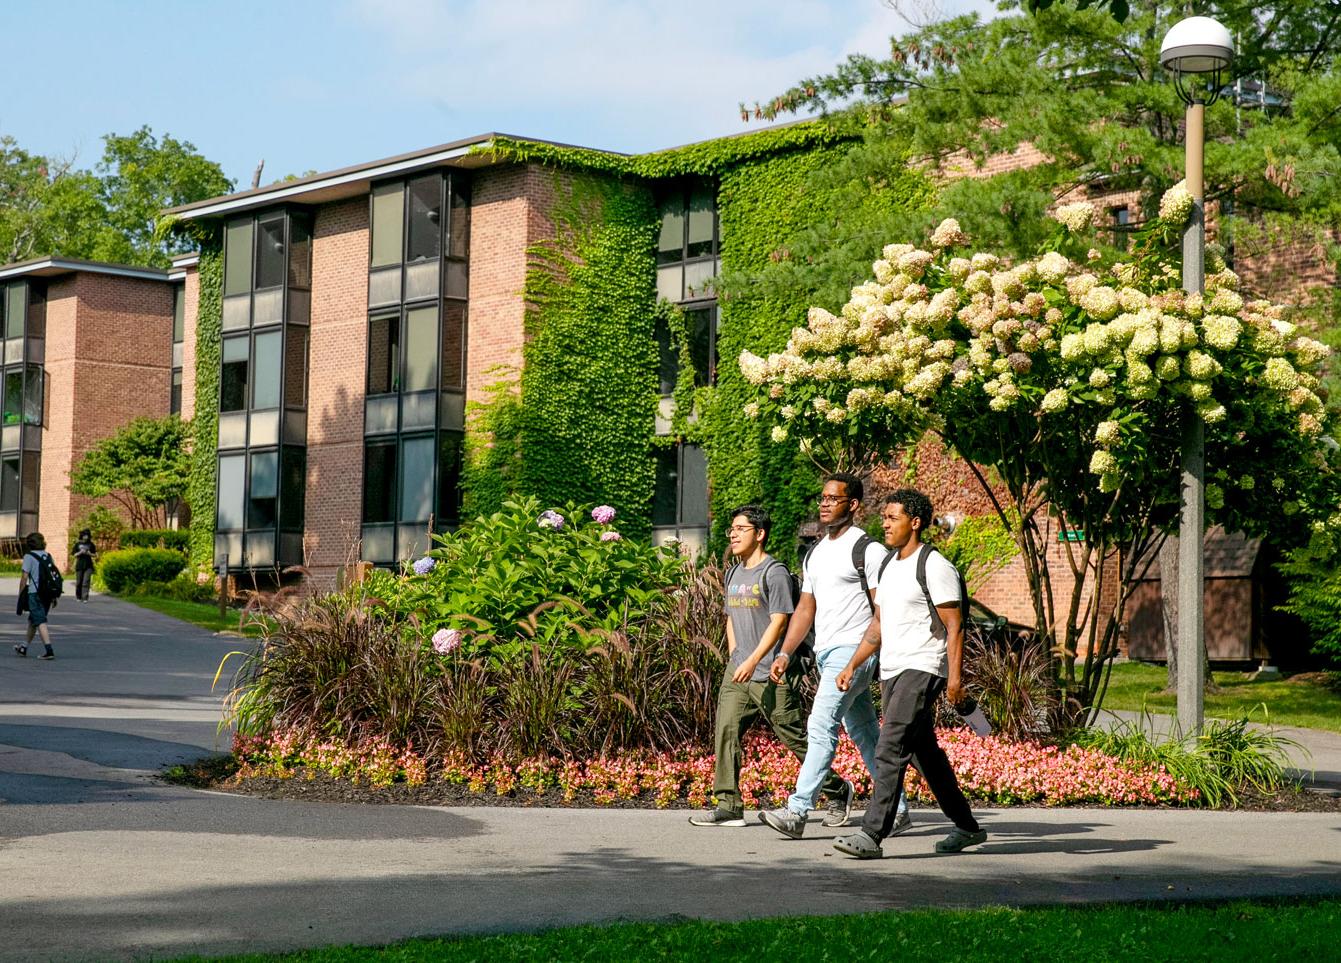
(920, 637)
(38, 590)
(758, 603)
(835, 598)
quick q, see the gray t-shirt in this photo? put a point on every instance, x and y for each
(30, 568)
(753, 597)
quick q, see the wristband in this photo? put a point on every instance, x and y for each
(783, 655)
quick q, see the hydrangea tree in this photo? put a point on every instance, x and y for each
(1065, 381)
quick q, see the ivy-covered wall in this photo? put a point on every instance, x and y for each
(583, 426)
(205, 423)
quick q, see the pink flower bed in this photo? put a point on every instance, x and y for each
(990, 770)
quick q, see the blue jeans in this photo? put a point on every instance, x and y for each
(853, 709)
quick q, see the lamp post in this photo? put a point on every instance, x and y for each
(1196, 48)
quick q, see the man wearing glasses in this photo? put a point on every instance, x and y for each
(836, 599)
(758, 603)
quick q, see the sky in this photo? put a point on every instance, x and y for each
(313, 86)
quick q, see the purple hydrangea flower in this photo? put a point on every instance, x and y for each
(424, 565)
(550, 519)
(611, 536)
(446, 641)
(603, 514)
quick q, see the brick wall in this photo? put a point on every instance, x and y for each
(337, 363)
(109, 360)
(500, 228)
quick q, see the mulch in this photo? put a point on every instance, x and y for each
(218, 774)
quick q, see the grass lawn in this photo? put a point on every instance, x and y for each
(1227, 932)
(203, 614)
(1307, 704)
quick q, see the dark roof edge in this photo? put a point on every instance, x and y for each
(50, 266)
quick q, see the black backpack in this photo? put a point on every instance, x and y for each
(49, 585)
(937, 623)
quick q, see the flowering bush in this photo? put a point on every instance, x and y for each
(1074, 381)
(991, 770)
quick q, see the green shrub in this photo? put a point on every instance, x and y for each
(1315, 596)
(177, 539)
(121, 570)
(183, 588)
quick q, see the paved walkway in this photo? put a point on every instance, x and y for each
(100, 861)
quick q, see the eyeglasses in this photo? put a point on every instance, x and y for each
(831, 499)
(742, 528)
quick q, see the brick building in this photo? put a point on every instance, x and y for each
(87, 347)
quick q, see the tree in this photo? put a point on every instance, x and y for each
(144, 468)
(50, 207)
(1070, 379)
(1087, 91)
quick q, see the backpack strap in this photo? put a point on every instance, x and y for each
(859, 563)
(938, 623)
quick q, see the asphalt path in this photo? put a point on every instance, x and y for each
(99, 860)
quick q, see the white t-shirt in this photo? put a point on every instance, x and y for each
(842, 609)
(906, 637)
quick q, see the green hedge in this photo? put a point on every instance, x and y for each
(126, 568)
(177, 539)
(183, 588)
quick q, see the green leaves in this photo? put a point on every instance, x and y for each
(145, 466)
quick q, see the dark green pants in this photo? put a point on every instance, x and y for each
(738, 705)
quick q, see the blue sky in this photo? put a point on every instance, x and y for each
(314, 86)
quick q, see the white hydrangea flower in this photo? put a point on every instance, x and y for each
(982, 261)
(892, 252)
(1075, 217)
(1103, 463)
(1211, 413)
(883, 271)
(778, 434)
(1280, 374)
(836, 415)
(753, 368)
(1100, 302)
(752, 410)
(1100, 378)
(1226, 301)
(1167, 367)
(979, 282)
(958, 269)
(914, 262)
(948, 234)
(1055, 400)
(1073, 347)
(1310, 352)
(788, 412)
(1107, 434)
(1201, 366)
(1221, 331)
(1132, 299)
(1079, 285)
(1199, 391)
(1176, 204)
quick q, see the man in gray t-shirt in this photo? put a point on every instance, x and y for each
(758, 601)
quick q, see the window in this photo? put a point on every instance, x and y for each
(178, 313)
(680, 495)
(425, 242)
(263, 490)
(384, 354)
(687, 246)
(665, 494)
(233, 378)
(13, 396)
(15, 310)
(232, 488)
(388, 214)
(453, 345)
(416, 479)
(237, 258)
(379, 484)
(267, 370)
(421, 349)
(271, 262)
(9, 483)
(295, 367)
(451, 450)
(31, 470)
(1121, 220)
(701, 331)
(292, 487)
(175, 403)
(32, 396)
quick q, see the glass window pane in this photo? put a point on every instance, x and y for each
(178, 313)
(237, 258)
(295, 367)
(231, 489)
(9, 484)
(458, 279)
(694, 487)
(13, 396)
(379, 483)
(292, 488)
(670, 283)
(666, 492)
(266, 370)
(15, 310)
(37, 310)
(262, 496)
(388, 216)
(270, 257)
(450, 452)
(421, 350)
(175, 402)
(383, 354)
(699, 326)
(416, 479)
(453, 344)
(670, 242)
(425, 219)
(668, 358)
(300, 251)
(31, 482)
(233, 376)
(701, 217)
(32, 396)
(459, 229)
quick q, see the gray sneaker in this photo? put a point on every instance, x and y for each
(859, 845)
(785, 821)
(959, 840)
(719, 817)
(839, 809)
(902, 823)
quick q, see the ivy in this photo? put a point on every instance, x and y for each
(200, 491)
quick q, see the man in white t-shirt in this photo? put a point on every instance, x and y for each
(834, 600)
(918, 660)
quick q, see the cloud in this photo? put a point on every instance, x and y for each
(650, 75)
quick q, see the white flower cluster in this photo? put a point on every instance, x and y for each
(1176, 204)
(1076, 217)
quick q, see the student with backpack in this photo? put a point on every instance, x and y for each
(40, 585)
(918, 630)
(836, 600)
(759, 599)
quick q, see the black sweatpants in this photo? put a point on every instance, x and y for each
(83, 576)
(908, 734)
